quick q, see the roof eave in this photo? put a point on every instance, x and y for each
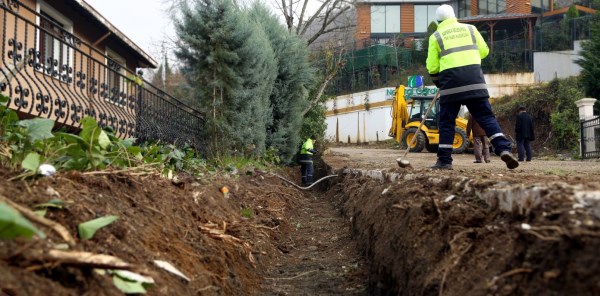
(147, 59)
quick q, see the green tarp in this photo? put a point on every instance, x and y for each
(376, 55)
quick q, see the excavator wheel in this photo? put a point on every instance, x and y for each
(432, 148)
(461, 141)
(419, 142)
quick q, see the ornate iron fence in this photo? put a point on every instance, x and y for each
(48, 72)
(590, 138)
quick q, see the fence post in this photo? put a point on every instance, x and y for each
(586, 111)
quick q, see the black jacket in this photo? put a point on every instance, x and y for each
(524, 127)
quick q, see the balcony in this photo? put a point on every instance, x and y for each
(49, 72)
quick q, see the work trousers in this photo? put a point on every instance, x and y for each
(481, 110)
(306, 169)
(481, 149)
(524, 149)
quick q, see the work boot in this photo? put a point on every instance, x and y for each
(509, 159)
(440, 166)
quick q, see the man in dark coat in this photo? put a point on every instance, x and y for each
(524, 134)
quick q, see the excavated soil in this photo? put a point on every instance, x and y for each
(476, 230)
(293, 244)
(374, 230)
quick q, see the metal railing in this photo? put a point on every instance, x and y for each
(590, 138)
(48, 72)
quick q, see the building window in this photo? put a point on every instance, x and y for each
(115, 72)
(464, 8)
(385, 19)
(56, 56)
(540, 6)
(424, 15)
(492, 7)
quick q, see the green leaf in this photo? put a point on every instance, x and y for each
(12, 224)
(90, 129)
(31, 162)
(103, 139)
(3, 100)
(41, 212)
(70, 138)
(38, 128)
(54, 203)
(128, 287)
(89, 228)
(128, 142)
(8, 116)
(132, 276)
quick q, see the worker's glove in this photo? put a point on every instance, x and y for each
(313, 151)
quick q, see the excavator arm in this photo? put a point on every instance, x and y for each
(399, 114)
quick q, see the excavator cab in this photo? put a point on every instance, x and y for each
(418, 108)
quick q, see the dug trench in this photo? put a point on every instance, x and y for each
(392, 232)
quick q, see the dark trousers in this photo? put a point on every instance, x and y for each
(524, 149)
(481, 110)
(306, 168)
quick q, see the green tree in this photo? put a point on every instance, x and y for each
(314, 123)
(590, 60)
(259, 70)
(211, 33)
(572, 13)
(294, 78)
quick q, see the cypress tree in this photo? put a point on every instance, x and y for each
(294, 77)
(258, 70)
(210, 35)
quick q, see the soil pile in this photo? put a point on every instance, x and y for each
(225, 243)
(447, 234)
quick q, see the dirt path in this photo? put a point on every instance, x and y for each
(318, 255)
(370, 158)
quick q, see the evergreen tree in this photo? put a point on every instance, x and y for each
(210, 35)
(258, 69)
(590, 61)
(294, 77)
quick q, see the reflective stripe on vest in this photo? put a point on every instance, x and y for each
(451, 91)
(444, 52)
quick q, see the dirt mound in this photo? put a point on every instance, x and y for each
(431, 234)
(264, 237)
(191, 225)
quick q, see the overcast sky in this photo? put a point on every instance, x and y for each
(146, 22)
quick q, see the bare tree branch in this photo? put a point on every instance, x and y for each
(323, 32)
(301, 18)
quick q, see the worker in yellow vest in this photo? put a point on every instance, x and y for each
(454, 64)
(306, 161)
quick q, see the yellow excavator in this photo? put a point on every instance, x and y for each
(408, 113)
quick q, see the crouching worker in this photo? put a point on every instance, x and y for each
(306, 160)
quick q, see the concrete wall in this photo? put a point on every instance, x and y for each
(507, 83)
(347, 115)
(360, 126)
(558, 64)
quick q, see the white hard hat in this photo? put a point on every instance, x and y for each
(444, 12)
